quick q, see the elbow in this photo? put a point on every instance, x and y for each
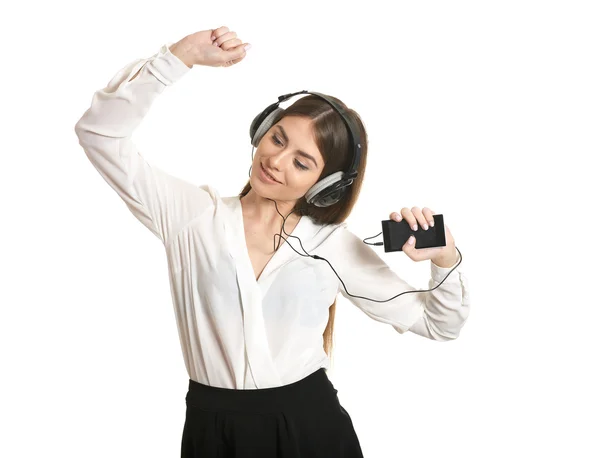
(80, 130)
(443, 334)
(448, 328)
(444, 338)
(86, 133)
(77, 128)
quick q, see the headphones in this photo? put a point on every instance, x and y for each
(328, 190)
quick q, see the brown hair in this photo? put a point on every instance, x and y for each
(335, 144)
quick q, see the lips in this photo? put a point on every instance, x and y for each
(269, 175)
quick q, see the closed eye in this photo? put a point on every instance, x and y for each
(296, 161)
(276, 140)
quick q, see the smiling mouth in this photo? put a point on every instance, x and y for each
(269, 175)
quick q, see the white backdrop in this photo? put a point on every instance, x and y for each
(486, 112)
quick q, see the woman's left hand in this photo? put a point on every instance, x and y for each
(445, 256)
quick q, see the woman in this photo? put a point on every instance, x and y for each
(254, 315)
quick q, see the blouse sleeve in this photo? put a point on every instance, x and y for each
(438, 314)
(160, 201)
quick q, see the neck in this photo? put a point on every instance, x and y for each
(263, 210)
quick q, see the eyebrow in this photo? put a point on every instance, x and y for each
(302, 153)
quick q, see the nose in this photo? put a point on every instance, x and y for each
(276, 161)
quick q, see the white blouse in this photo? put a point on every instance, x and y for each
(235, 331)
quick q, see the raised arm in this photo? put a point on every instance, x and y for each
(160, 201)
(437, 315)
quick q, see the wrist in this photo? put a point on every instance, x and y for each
(446, 260)
(181, 52)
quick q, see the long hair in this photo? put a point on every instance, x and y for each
(335, 144)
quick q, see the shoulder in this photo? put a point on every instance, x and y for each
(328, 234)
(209, 189)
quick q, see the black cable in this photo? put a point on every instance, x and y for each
(376, 243)
(343, 284)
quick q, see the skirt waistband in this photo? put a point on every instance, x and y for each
(313, 390)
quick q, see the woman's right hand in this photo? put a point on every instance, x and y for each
(214, 48)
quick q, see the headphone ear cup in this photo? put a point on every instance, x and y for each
(329, 197)
(255, 123)
(257, 131)
(327, 191)
(259, 118)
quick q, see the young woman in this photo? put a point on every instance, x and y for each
(254, 310)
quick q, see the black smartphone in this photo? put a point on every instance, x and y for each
(396, 234)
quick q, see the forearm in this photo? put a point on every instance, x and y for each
(177, 50)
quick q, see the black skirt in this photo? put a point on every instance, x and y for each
(300, 420)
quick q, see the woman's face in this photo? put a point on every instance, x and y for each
(289, 153)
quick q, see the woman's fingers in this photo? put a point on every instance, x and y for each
(396, 216)
(238, 53)
(218, 32)
(419, 217)
(227, 41)
(410, 218)
(428, 214)
(231, 44)
(220, 39)
(415, 217)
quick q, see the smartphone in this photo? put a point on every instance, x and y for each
(396, 234)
